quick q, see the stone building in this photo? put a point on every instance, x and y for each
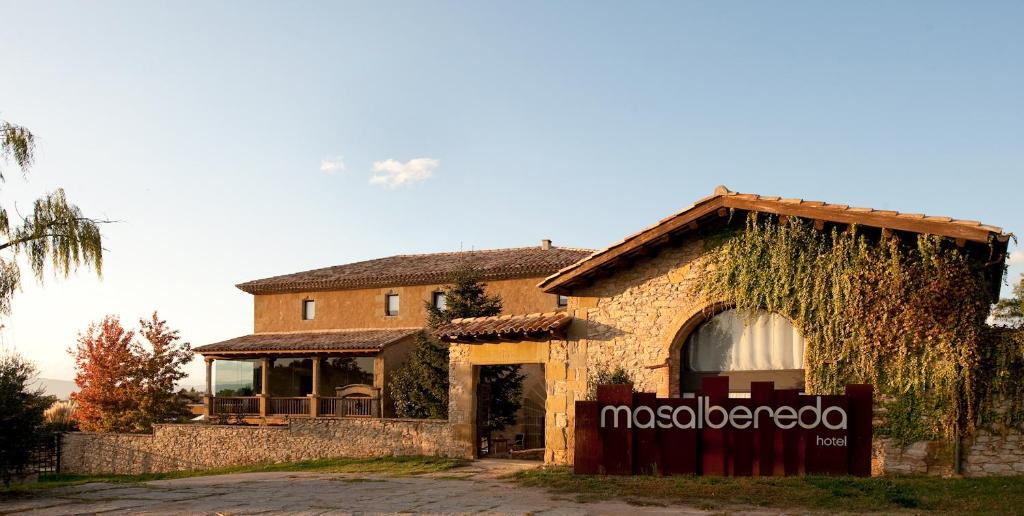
(325, 342)
(636, 304)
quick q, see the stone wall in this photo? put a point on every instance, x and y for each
(986, 454)
(201, 446)
(637, 318)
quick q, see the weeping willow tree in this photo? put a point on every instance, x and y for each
(54, 233)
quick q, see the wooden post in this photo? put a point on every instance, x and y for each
(264, 386)
(208, 395)
(314, 397)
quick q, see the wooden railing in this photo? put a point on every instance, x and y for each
(238, 405)
(349, 407)
(289, 406)
(297, 406)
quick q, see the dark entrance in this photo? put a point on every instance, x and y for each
(510, 409)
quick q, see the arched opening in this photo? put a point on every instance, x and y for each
(761, 347)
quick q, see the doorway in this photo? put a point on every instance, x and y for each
(510, 411)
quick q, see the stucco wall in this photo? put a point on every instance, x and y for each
(198, 446)
(364, 308)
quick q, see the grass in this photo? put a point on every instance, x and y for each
(995, 495)
(391, 466)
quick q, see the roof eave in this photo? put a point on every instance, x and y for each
(681, 222)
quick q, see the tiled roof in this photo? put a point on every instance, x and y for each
(505, 327)
(423, 269)
(334, 340)
(724, 200)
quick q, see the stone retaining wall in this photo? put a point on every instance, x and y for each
(987, 454)
(201, 446)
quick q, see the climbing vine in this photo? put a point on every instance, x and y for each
(905, 315)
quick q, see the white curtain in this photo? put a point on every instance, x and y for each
(731, 342)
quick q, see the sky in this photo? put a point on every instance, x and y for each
(237, 140)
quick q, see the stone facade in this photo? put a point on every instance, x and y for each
(630, 319)
(983, 455)
(201, 446)
(989, 454)
(638, 318)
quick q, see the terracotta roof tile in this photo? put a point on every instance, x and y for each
(504, 326)
(423, 269)
(335, 340)
(724, 198)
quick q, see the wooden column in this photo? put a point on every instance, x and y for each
(208, 395)
(314, 397)
(264, 386)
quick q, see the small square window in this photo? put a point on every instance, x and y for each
(563, 301)
(439, 300)
(391, 304)
(308, 309)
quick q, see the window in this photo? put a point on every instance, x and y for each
(290, 376)
(563, 301)
(439, 301)
(308, 309)
(339, 372)
(391, 304)
(237, 377)
(764, 347)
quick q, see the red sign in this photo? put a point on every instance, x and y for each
(774, 432)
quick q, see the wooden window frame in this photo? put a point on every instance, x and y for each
(302, 309)
(387, 305)
(433, 298)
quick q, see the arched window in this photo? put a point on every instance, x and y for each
(765, 347)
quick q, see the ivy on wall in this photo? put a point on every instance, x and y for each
(905, 315)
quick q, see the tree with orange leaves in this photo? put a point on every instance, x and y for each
(123, 385)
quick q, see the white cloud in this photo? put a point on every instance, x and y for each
(393, 173)
(332, 166)
(1016, 258)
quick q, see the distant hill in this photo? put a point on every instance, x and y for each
(59, 388)
(63, 388)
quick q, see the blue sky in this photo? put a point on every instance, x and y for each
(237, 140)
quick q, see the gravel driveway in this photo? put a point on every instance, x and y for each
(472, 489)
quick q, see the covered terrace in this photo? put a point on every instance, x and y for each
(301, 374)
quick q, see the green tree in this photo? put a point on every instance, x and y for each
(21, 414)
(1010, 312)
(501, 388)
(55, 231)
(163, 366)
(465, 296)
(420, 387)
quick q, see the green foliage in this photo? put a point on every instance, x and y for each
(18, 144)
(1010, 312)
(55, 232)
(21, 414)
(1002, 362)
(419, 389)
(606, 376)
(907, 317)
(465, 296)
(501, 388)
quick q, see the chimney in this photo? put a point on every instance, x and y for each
(545, 244)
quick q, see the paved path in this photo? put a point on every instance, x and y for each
(473, 489)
